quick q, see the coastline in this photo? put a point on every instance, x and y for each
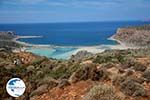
(113, 39)
(50, 50)
(28, 44)
(124, 44)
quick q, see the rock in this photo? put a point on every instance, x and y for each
(7, 42)
(40, 90)
(81, 55)
(7, 35)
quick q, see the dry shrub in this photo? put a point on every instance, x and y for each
(102, 92)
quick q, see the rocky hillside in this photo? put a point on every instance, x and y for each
(7, 35)
(6, 40)
(134, 36)
(111, 75)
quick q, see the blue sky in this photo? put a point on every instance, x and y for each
(38, 11)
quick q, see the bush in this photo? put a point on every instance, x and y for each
(89, 71)
(118, 79)
(105, 59)
(139, 67)
(102, 92)
(146, 74)
(132, 88)
(108, 65)
(38, 60)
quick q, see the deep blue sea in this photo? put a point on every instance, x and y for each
(68, 34)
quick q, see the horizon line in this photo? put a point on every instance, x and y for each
(74, 22)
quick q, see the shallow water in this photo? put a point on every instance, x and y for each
(68, 34)
(57, 53)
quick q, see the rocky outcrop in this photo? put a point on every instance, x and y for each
(7, 35)
(134, 36)
(6, 40)
(81, 55)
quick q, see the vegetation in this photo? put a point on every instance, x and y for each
(102, 92)
(132, 35)
(111, 72)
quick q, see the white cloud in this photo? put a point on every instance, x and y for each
(75, 3)
(22, 2)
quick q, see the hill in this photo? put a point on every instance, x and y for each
(110, 75)
(6, 40)
(137, 36)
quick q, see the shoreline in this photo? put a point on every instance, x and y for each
(28, 44)
(123, 44)
(93, 49)
(46, 45)
(113, 39)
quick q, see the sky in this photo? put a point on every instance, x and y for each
(44, 11)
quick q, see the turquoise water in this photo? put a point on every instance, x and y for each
(67, 34)
(57, 53)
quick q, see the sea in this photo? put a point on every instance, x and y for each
(65, 38)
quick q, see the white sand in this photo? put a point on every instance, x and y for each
(101, 48)
(92, 49)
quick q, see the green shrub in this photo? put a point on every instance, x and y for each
(38, 60)
(104, 59)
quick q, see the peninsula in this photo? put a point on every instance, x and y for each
(110, 75)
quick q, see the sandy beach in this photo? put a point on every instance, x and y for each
(28, 44)
(50, 50)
